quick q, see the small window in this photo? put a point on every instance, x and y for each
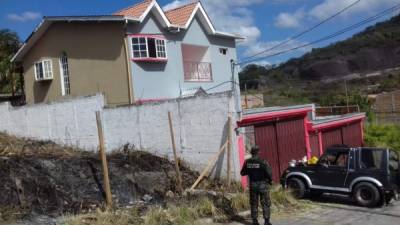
(43, 70)
(223, 51)
(65, 83)
(161, 52)
(139, 47)
(148, 48)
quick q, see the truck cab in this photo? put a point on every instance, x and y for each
(369, 175)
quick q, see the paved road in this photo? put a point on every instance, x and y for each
(338, 211)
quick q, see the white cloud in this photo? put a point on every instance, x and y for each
(232, 16)
(288, 20)
(174, 4)
(330, 7)
(24, 17)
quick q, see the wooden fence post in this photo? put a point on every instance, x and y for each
(103, 158)
(228, 150)
(178, 173)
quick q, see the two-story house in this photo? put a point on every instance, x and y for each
(140, 53)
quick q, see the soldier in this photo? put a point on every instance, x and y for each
(260, 175)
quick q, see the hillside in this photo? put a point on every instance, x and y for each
(376, 48)
(369, 61)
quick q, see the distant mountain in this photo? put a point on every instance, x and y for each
(318, 76)
(376, 48)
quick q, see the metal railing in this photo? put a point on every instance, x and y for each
(197, 71)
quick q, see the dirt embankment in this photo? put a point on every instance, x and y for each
(45, 178)
(365, 60)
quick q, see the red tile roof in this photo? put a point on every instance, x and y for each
(181, 15)
(136, 10)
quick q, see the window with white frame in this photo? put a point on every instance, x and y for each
(148, 48)
(161, 52)
(65, 84)
(43, 70)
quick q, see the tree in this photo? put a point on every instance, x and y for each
(250, 75)
(9, 45)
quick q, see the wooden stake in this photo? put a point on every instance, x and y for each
(178, 173)
(210, 164)
(229, 150)
(103, 158)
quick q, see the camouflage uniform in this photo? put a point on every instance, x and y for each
(260, 175)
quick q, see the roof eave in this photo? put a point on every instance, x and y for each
(228, 35)
(336, 122)
(47, 21)
(262, 117)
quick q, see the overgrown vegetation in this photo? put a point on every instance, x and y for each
(190, 212)
(383, 136)
(119, 217)
(173, 214)
(10, 81)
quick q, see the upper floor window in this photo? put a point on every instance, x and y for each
(43, 70)
(223, 51)
(148, 48)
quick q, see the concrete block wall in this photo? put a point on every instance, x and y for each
(200, 126)
(70, 122)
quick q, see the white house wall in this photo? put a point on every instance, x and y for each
(166, 80)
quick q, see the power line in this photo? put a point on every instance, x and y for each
(305, 31)
(337, 33)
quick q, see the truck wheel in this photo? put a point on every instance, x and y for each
(297, 186)
(367, 194)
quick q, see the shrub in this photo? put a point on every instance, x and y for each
(387, 136)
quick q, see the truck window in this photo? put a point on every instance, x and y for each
(372, 159)
(393, 161)
(338, 159)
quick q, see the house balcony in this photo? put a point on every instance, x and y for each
(196, 63)
(197, 71)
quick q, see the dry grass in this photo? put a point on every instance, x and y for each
(118, 217)
(282, 201)
(11, 214)
(240, 202)
(206, 208)
(189, 212)
(14, 146)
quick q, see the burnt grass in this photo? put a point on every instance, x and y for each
(39, 177)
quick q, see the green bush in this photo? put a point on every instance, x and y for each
(383, 136)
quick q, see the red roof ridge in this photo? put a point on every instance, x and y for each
(182, 6)
(132, 6)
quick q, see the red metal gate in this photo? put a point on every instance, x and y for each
(266, 140)
(331, 137)
(314, 144)
(291, 141)
(352, 135)
(280, 142)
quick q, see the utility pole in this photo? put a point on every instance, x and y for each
(245, 96)
(347, 95)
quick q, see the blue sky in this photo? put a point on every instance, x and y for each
(263, 22)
